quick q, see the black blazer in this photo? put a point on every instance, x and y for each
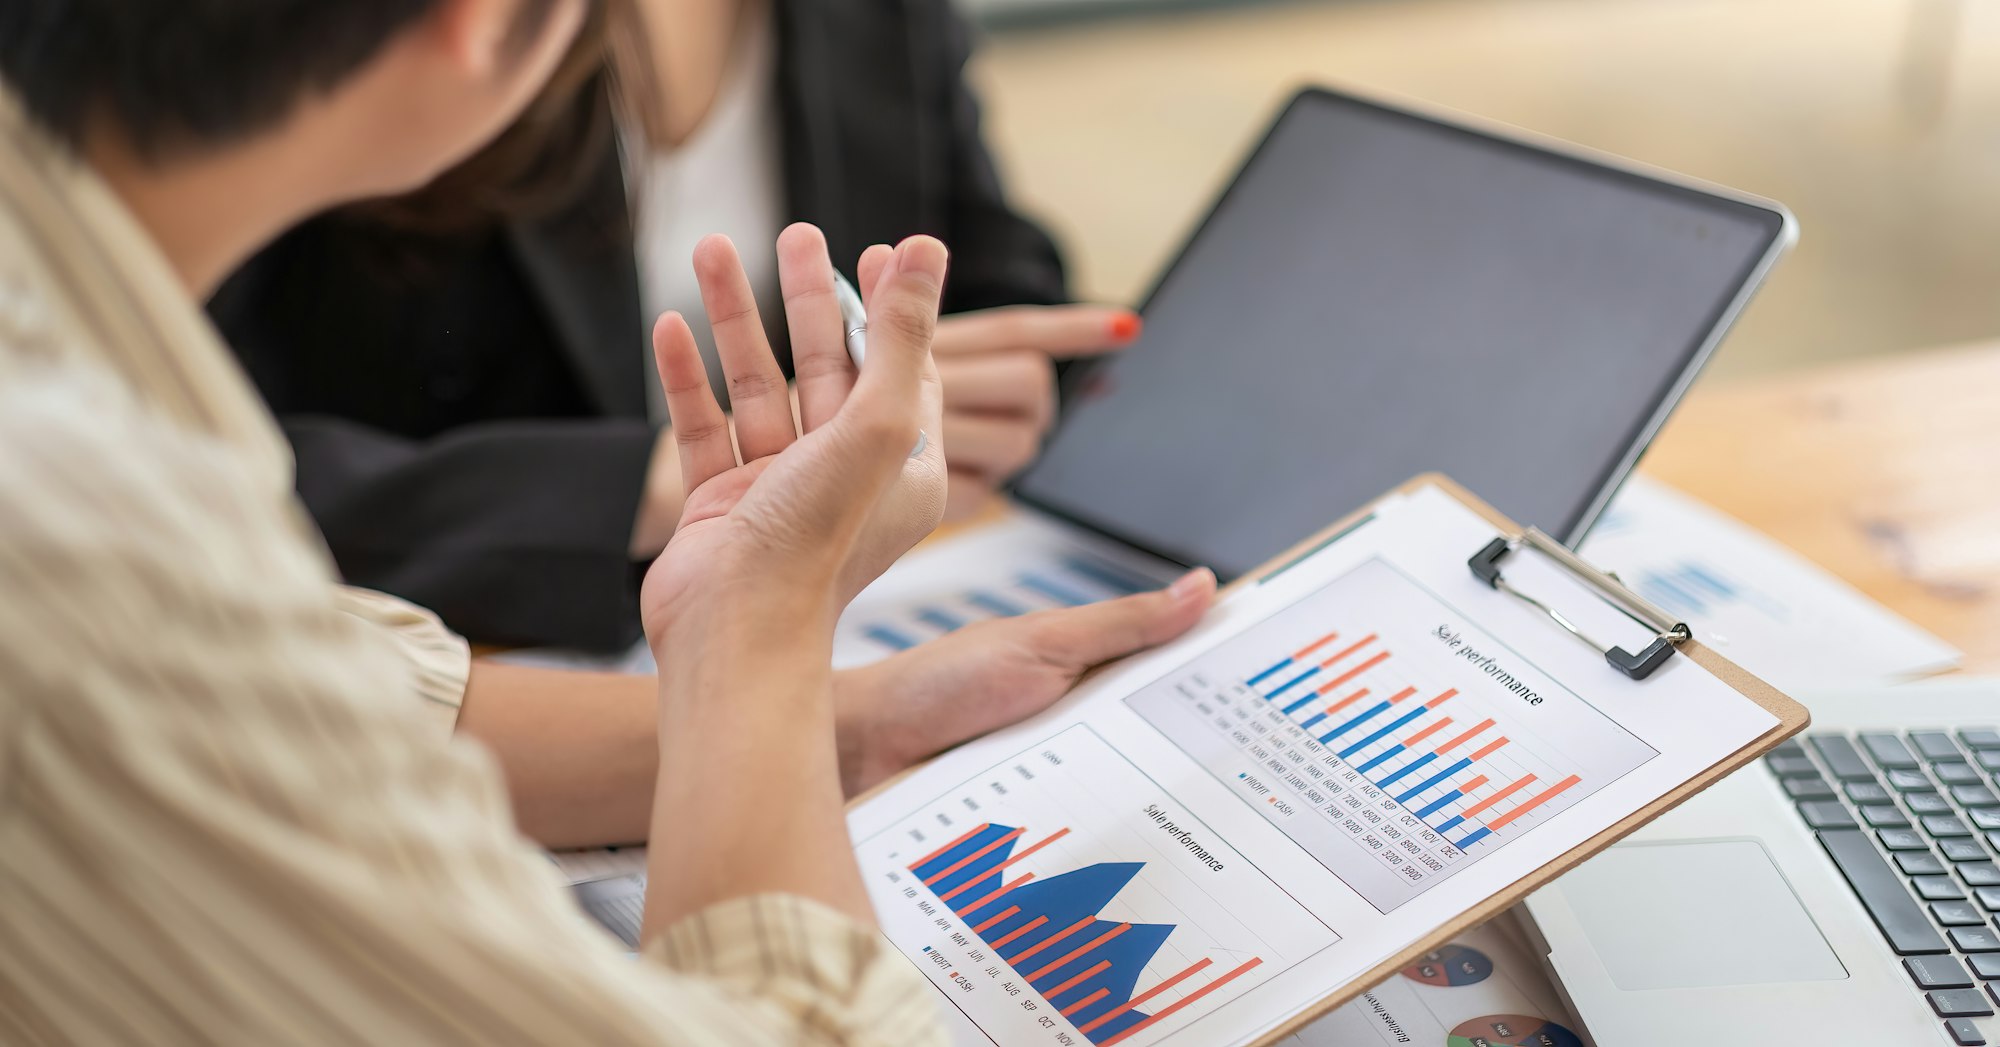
(467, 411)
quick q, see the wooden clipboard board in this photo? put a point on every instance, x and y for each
(1792, 718)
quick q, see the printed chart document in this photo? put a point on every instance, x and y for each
(1485, 989)
(1752, 600)
(1212, 839)
(1016, 565)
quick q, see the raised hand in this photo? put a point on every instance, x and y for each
(799, 511)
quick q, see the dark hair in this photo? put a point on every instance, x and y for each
(541, 162)
(179, 76)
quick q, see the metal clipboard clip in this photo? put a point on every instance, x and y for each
(1485, 566)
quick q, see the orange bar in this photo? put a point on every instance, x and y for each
(1183, 1002)
(1349, 649)
(981, 903)
(1473, 784)
(1015, 857)
(1402, 694)
(1347, 701)
(1454, 743)
(1011, 910)
(935, 855)
(1021, 930)
(1487, 749)
(975, 856)
(1533, 802)
(1135, 1001)
(1359, 669)
(1440, 699)
(1094, 970)
(1080, 950)
(1299, 655)
(1427, 732)
(1085, 1002)
(1497, 797)
(1052, 939)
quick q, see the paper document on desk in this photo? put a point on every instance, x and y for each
(1754, 601)
(1484, 988)
(1013, 566)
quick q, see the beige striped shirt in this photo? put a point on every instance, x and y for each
(221, 819)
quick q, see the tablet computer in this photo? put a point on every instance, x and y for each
(1384, 291)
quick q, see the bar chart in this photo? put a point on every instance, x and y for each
(1063, 897)
(1069, 578)
(1397, 744)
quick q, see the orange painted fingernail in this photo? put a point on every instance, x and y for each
(1125, 327)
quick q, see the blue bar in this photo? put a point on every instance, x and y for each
(1313, 719)
(1406, 768)
(1438, 803)
(1379, 757)
(1055, 592)
(992, 604)
(1447, 825)
(1294, 682)
(1472, 838)
(1393, 724)
(1266, 674)
(1671, 595)
(1461, 765)
(1351, 724)
(941, 619)
(1709, 581)
(1107, 576)
(888, 637)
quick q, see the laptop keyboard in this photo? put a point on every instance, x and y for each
(1912, 820)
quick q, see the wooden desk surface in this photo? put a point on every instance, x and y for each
(1886, 472)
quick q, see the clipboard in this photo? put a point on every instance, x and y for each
(1489, 564)
(1672, 639)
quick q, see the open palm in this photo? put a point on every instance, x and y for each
(813, 503)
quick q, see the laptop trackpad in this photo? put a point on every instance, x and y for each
(1697, 913)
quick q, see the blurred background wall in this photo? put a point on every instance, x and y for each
(1877, 121)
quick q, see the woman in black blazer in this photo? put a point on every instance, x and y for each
(468, 406)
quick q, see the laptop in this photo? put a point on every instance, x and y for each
(1380, 291)
(1843, 892)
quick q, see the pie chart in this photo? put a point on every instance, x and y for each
(1451, 965)
(1511, 1030)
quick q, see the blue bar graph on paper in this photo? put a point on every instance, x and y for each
(1268, 673)
(1304, 700)
(1393, 724)
(1439, 804)
(1671, 594)
(1106, 575)
(940, 618)
(890, 637)
(1067, 903)
(1058, 593)
(1313, 719)
(1351, 724)
(1708, 581)
(1472, 838)
(1419, 788)
(1446, 827)
(1379, 758)
(1413, 765)
(994, 605)
(1294, 682)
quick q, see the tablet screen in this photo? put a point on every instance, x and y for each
(1380, 294)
